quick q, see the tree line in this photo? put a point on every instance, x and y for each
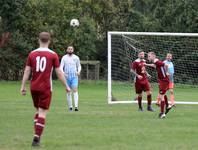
(22, 20)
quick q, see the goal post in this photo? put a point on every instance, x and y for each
(123, 48)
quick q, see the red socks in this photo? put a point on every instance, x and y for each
(40, 124)
(149, 100)
(140, 102)
(35, 120)
(166, 100)
(162, 106)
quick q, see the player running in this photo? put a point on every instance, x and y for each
(71, 66)
(141, 81)
(171, 71)
(163, 81)
(40, 63)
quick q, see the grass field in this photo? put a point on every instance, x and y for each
(97, 126)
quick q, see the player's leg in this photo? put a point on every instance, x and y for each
(35, 99)
(172, 98)
(43, 106)
(149, 101)
(166, 101)
(138, 90)
(35, 118)
(158, 100)
(140, 102)
(164, 86)
(162, 91)
(162, 104)
(69, 95)
(168, 107)
(74, 87)
(69, 100)
(147, 88)
(40, 124)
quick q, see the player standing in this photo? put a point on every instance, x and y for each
(141, 80)
(40, 63)
(71, 66)
(163, 81)
(171, 71)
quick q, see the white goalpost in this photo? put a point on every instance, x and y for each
(123, 48)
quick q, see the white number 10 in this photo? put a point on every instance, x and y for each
(40, 63)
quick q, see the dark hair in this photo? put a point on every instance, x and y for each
(140, 51)
(44, 37)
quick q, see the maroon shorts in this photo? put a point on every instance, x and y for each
(41, 99)
(142, 86)
(163, 86)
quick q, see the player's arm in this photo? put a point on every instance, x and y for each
(78, 67)
(148, 75)
(173, 69)
(61, 77)
(59, 72)
(134, 72)
(25, 78)
(150, 65)
(62, 66)
(166, 69)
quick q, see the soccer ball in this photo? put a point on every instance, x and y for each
(74, 23)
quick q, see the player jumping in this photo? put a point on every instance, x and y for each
(141, 80)
(70, 64)
(163, 81)
(40, 63)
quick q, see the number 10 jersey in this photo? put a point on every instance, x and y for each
(42, 61)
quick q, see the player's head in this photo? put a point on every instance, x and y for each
(70, 50)
(169, 56)
(141, 54)
(44, 38)
(151, 56)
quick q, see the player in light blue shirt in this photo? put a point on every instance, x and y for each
(70, 64)
(171, 72)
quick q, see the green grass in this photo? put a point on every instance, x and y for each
(97, 126)
(125, 91)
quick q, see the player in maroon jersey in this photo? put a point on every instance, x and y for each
(40, 63)
(141, 80)
(163, 81)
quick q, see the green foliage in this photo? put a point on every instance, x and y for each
(10, 13)
(26, 18)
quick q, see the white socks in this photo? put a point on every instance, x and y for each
(69, 99)
(76, 99)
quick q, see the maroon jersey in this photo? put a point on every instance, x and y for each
(42, 61)
(161, 72)
(139, 67)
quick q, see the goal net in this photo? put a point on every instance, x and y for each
(123, 48)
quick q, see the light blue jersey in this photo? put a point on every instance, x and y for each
(70, 64)
(171, 70)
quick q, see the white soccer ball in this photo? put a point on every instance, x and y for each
(74, 23)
